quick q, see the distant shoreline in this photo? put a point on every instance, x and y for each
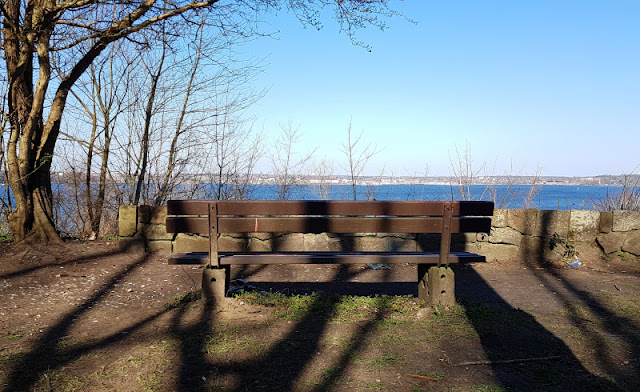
(328, 180)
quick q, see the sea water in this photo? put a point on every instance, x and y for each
(544, 197)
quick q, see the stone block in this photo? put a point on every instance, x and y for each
(401, 243)
(610, 242)
(263, 236)
(606, 222)
(499, 218)
(190, 243)
(524, 220)
(127, 221)
(260, 243)
(316, 242)
(626, 220)
(293, 242)
(154, 232)
(159, 246)
(505, 235)
(232, 243)
(158, 215)
(144, 214)
(495, 252)
(632, 243)
(589, 253)
(583, 225)
(465, 237)
(131, 244)
(342, 243)
(482, 237)
(552, 221)
(534, 249)
(370, 244)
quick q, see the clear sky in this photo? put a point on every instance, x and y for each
(553, 84)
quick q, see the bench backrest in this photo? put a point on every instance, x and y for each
(297, 216)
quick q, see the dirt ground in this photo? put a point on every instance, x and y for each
(86, 316)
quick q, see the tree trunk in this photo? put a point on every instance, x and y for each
(32, 220)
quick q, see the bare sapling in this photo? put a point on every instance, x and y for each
(627, 199)
(320, 183)
(464, 174)
(287, 163)
(357, 157)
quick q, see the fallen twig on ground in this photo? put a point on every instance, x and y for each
(505, 361)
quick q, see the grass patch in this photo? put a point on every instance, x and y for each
(14, 335)
(337, 308)
(386, 359)
(10, 359)
(392, 337)
(488, 388)
(375, 385)
(223, 345)
(185, 300)
(59, 380)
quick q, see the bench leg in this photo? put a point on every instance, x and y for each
(215, 284)
(436, 285)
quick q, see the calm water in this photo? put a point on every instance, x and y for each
(546, 197)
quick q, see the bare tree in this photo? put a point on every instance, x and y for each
(287, 163)
(100, 100)
(465, 174)
(357, 159)
(72, 35)
(321, 185)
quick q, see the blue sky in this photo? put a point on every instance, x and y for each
(527, 84)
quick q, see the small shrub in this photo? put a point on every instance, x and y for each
(567, 249)
(627, 199)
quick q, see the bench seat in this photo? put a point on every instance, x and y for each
(237, 258)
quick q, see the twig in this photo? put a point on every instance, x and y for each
(424, 377)
(506, 361)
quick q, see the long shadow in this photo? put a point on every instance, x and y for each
(194, 367)
(79, 260)
(48, 354)
(507, 333)
(341, 287)
(279, 369)
(574, 300)
(521, 352)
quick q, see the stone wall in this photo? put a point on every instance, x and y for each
(515, 234)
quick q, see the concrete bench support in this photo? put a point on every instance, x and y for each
(215, 284)
(436, 285)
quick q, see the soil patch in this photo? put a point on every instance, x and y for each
(86, 316)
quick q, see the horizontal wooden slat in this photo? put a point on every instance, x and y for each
(331, 207)
(326, 225)
(324, 258)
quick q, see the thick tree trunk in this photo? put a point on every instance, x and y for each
(32, 219)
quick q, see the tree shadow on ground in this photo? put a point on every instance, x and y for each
(48, 354)
(279, 369)
(508, 333)
(522, 353)
(599, 325)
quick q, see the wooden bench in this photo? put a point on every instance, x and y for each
(435, 278)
